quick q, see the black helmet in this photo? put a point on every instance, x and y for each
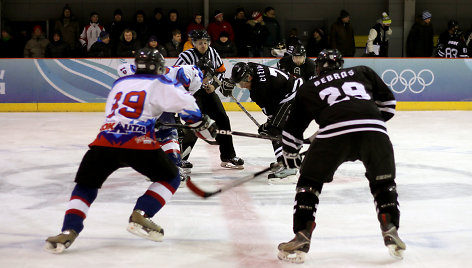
(200, 34)
(240, 72)
(299, 50)
(328, 60)
(452, 24)
(149, 61)
(206, 66)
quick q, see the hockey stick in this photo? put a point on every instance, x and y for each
(225, 132)
(205, 194)
(218, 81)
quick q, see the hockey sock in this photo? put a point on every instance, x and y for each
(157, 195)
(385, 197)
(306, 204)
(81, 199)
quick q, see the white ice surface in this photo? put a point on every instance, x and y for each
(40, 153)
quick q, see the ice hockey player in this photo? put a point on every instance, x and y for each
(126, 68)
(126, 139)
(208, 101)
(351, 107)
(451, 43)
(273, 90)
(297, 64)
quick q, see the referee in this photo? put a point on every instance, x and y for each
(208, 101)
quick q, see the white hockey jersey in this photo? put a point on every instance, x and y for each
(133, 106)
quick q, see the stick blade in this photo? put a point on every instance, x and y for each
(194, 188)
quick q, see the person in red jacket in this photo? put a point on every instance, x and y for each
(219, 25)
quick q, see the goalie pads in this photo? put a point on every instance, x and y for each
(205, 129)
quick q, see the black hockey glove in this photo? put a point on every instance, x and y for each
(292, 160)
(205, 129)
(268, 129)
(227, 86)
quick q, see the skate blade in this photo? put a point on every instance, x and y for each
(138, 230)
(231, 166)
(291, 179)
(395, 252)
(293, 257)
(58, 248)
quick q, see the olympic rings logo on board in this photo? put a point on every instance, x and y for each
(408, 79)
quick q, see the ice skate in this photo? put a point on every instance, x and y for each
(233, 163)
(186, 166)
(57, 244)
(183, 176)
(282, 175)
(294, 250)
(391, 239)
(143, 226)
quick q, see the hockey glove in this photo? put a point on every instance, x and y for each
(269, 130)
(227, 86)
(205, 129)
(292, 160)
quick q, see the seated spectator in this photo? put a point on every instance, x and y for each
(36, 46)
(141, 27)
(173, 23)
(175, 46)
(102, 48)
(7, 44)
(316, 43)
(219, 25)
(128, 44)
(58, 48)
(188, 44)
(225, 47)
(157, 26)
(196, 24)
(116, 28)
(152, 43)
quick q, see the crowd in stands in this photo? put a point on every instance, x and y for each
(246, 34)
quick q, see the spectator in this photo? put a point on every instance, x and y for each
(116, 28)
(420, 38)
(174, 46)
(257, 34)
(68, 26)
(341, 36)
(157, 25)
(189, 43)
(196, 24)
(58, 48)
(273, 27)
(225, 47)
(452, 28)
(173, 23)
(102, 48)
(292, 41)
(468, 42)
(141, 27)
(219, 25)
(377, 40)
(36, 46)
(7, 44)
(128, 44)
(240, 28)
(91, 31)
(153, 43)
(316, 43)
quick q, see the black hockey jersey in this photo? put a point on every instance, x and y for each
(305, 71)
(270, 87)
(341, 101)
(452, 49)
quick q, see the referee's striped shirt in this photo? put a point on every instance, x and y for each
(191, 57)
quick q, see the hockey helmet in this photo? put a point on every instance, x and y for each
(299, 54)
(149, 61)
(240, 72)
(328, 60)
(452, 24)
(199, 35)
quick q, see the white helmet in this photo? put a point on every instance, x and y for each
(126, 69)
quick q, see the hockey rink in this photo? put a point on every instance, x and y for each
(40, 153)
